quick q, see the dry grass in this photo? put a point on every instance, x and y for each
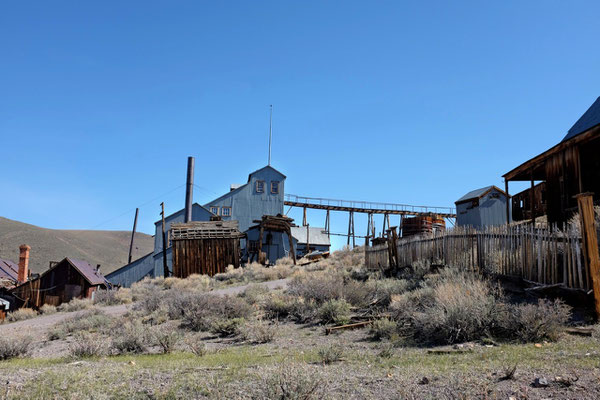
(75, 305)
(11, 347)
(113, 297)
(21, 315)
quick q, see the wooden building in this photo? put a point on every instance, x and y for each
(270, 240)
(561, 172)
(63, 282)
(481, 208)
(205, 248)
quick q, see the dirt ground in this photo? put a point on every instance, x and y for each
(365, 369)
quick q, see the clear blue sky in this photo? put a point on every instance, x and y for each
(101, 102)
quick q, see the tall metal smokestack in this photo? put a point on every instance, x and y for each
(189, 190)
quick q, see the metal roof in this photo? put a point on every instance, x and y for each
(90, 273)
(478, 193)
(8, 270)
(317, 236)
(588, 120)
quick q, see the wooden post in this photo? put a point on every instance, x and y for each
(164, 240)
(349, 227)
(260, 241)
(327, 225)
(394, 243)
(532, 200)
(304, 217)
(307, 238)
(590, 243)
(133, 235)
(508, 201)
(369, 224)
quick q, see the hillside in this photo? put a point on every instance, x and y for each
(107, 248)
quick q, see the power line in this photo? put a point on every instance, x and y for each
(140, 206)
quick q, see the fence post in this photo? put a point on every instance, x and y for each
(590, 242)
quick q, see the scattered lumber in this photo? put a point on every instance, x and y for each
(355, 325)
(580, 330)
(450, 350)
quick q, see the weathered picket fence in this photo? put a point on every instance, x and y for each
(543, 255)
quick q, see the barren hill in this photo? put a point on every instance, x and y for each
(107, 248)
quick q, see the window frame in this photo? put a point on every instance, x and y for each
(228, 214)
(213, 208)
(275, 191)
(258, 182)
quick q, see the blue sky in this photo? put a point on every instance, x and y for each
(389, 101)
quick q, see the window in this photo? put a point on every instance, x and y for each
(214, 210)
(274, 187)
(260, 186)
(226, 211)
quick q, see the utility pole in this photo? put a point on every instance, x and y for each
(137, 210)
(164, 240)
(270, 132)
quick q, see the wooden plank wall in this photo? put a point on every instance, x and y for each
(204, 256)
(543, 255)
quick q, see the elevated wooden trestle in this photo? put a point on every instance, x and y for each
(364, 207)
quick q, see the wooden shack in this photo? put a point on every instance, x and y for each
(558, 174)
(205, 248)
(61, 283)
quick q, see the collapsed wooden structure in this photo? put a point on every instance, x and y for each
(205, 247)
(271, 223)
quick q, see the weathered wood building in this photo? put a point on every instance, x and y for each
(64, 281)
(561, 172)
(205, 248)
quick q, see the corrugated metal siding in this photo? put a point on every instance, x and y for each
(491, 211)
(247, 205)
(134, 272)
(280, 244)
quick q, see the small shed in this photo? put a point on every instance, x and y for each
(62, 282)
(309, 239)
(205, 248)
(482, 207)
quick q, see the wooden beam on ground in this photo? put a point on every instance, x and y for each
(348, 326)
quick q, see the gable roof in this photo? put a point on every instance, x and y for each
(588, 120)
(263, 168)
(87, 271)
(317, 236)
(8, 270)
(478, 193)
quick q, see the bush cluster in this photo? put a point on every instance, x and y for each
(11, 347)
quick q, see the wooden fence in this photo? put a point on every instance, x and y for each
(543, 255)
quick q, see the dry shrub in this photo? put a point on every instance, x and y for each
(227, 327)
(464, 309)
(21, 314)
(335, 312)
(330, 354)
(319, 286)
(381, 290)
(132, 337)
(291, 382)
(296, 308)
(75, 305)
(11, 347)
(384, 328)
(47, 309)
(195, 344)
(545, 320)
(147, 287)
(259, 332)
(193, 283)
(113, 297)
(204, 309)
(166, 337)
(89, 321)
(357, 293)
(255, 294)
(255, 272)
(87, 344)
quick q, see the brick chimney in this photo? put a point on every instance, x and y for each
(23, 263)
